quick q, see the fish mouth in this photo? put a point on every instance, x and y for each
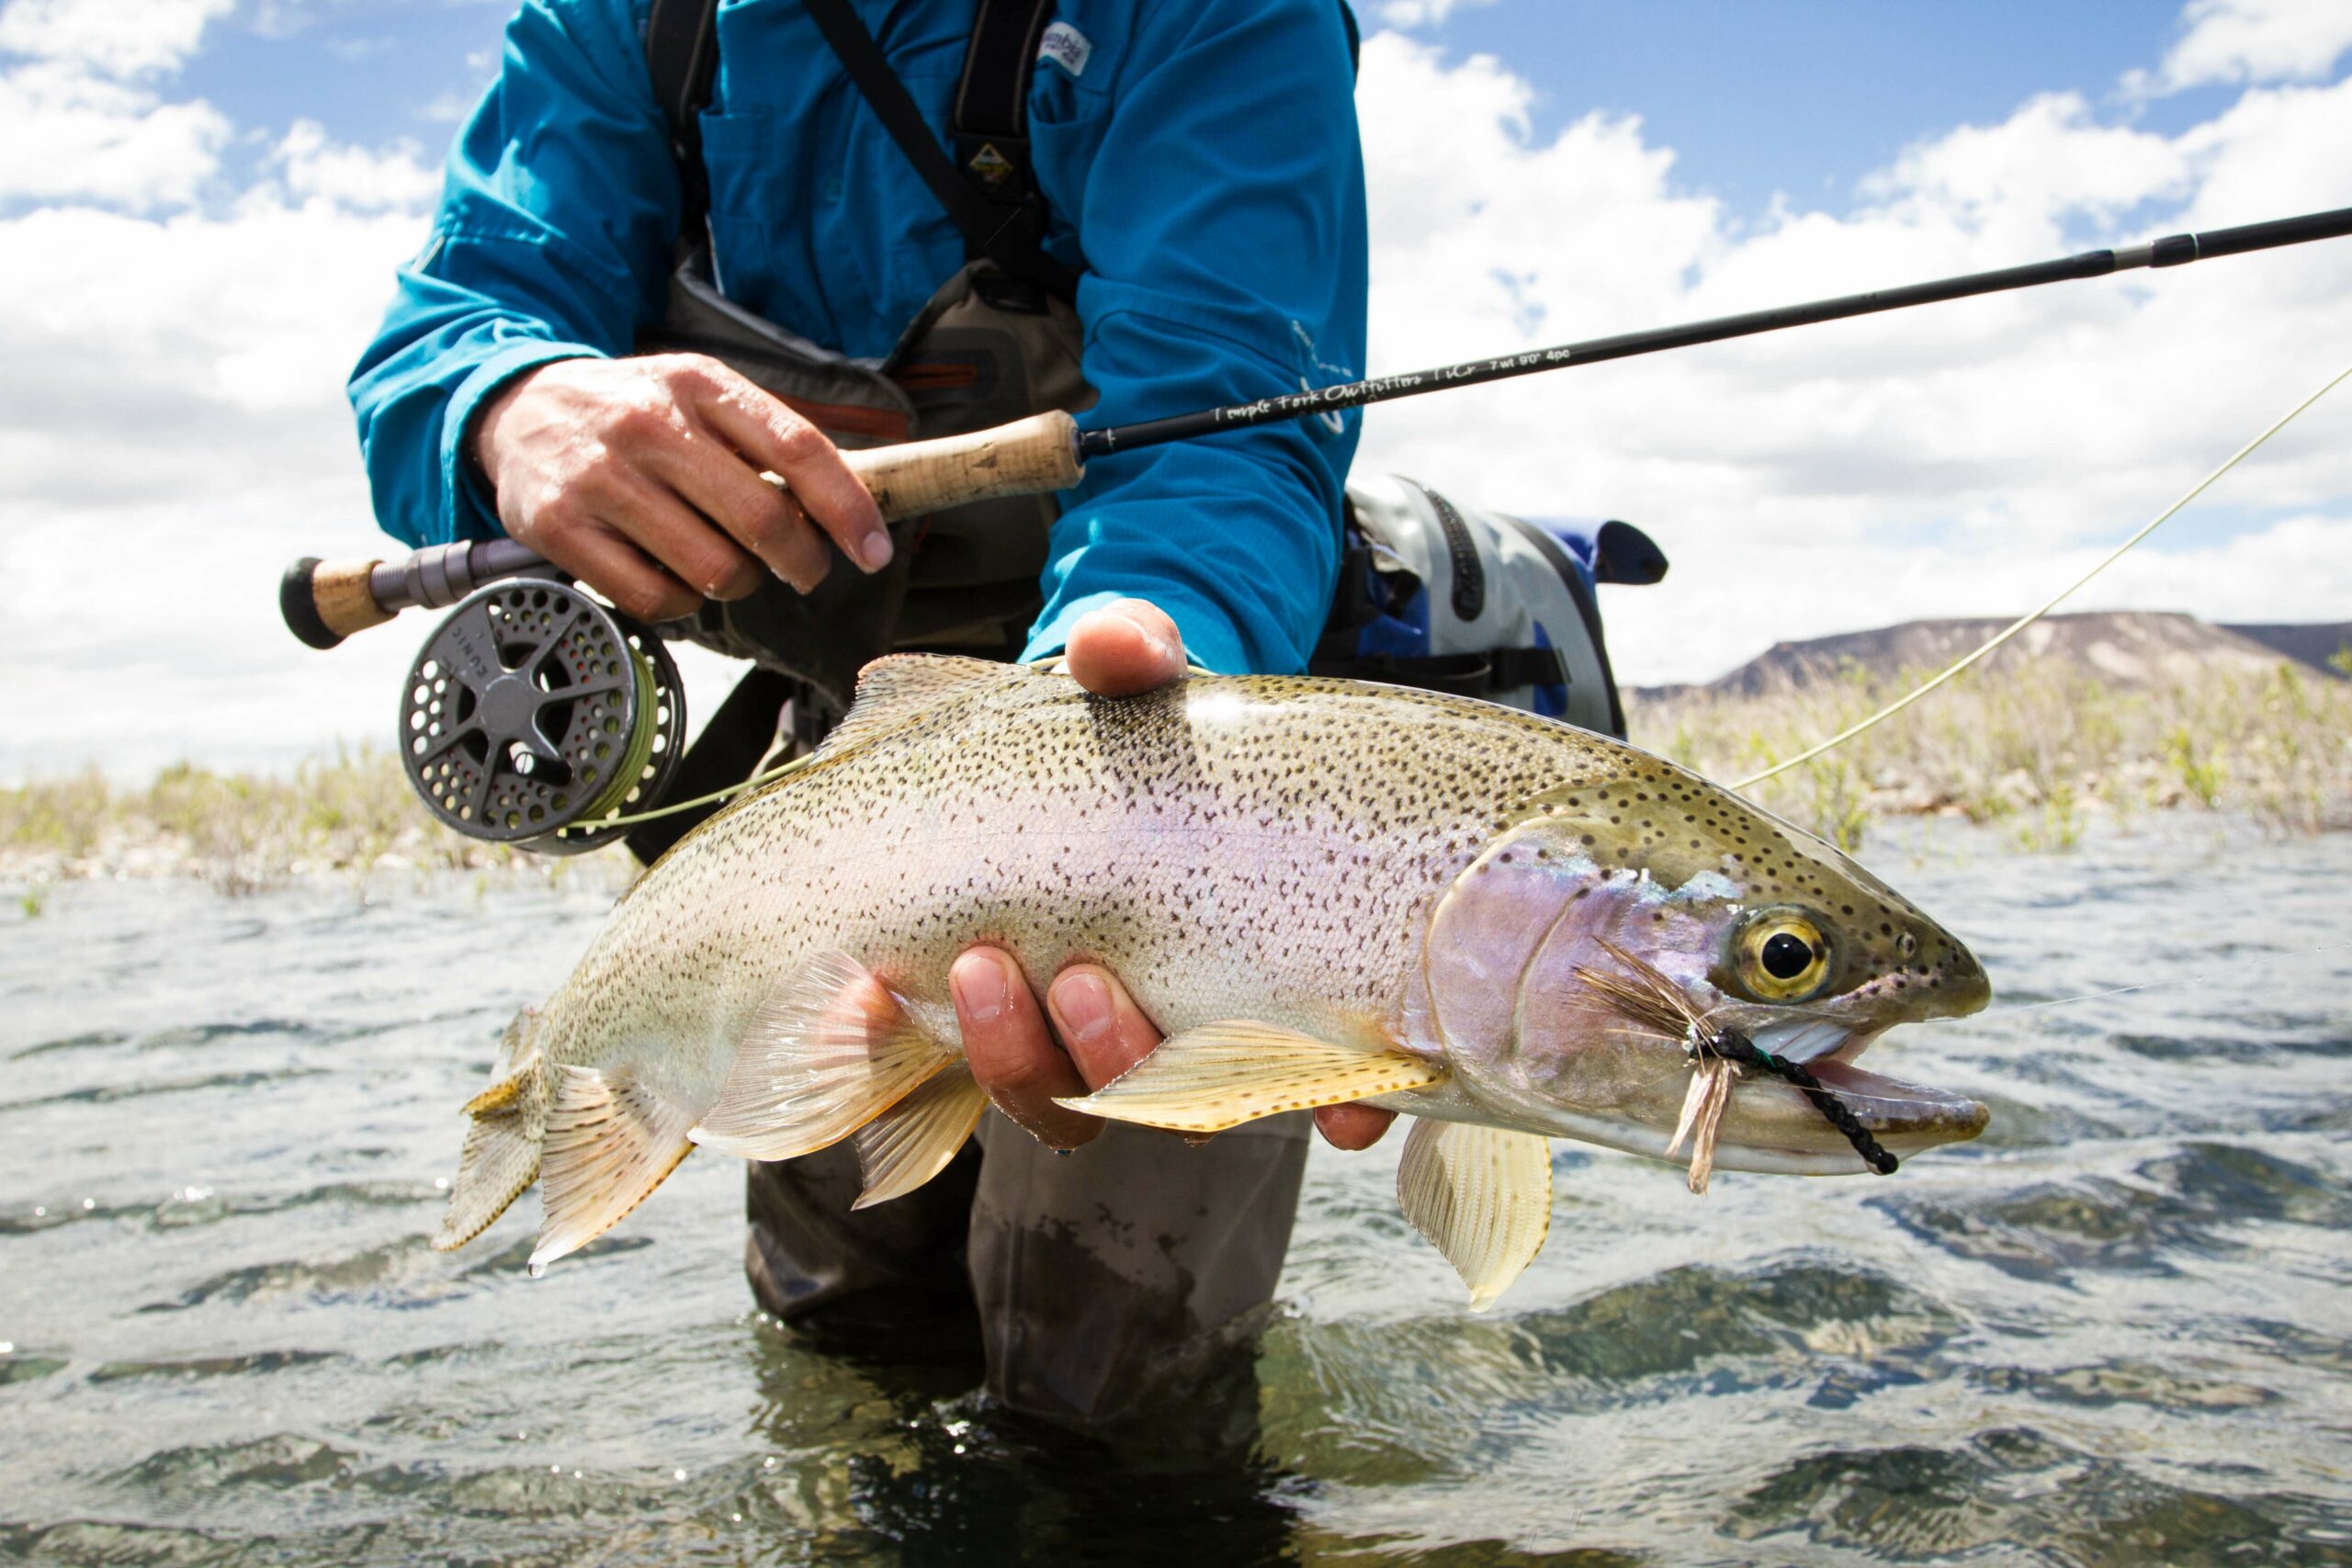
(1772, 1126)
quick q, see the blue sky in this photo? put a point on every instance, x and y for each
(201, 203)
(1798, 98)
(1803, 97)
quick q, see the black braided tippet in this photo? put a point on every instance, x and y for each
(1733, 1046)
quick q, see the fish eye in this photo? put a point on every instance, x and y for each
(1781, 956)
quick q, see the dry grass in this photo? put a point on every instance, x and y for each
(351, 814)
(2039, 749)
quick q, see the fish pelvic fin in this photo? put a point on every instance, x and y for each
(830, 1050)
(1482, 1196)
(915, 1139)
(500, 1154)
(613, 1136)
(1221, 1075)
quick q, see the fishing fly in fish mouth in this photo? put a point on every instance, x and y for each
(1323, 891)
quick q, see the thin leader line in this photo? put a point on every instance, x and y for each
(2028, 619)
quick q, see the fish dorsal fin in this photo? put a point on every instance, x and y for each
(912, 1142)
(1221, 1075)
(612, 1138)
(1482, 1196)
(829, 1051)
(901, 687)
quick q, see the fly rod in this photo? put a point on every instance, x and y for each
(325, 603)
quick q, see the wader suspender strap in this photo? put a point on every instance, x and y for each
(1005, 35)
(995, 206)
(681, 50)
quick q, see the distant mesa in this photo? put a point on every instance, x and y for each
(2124, 649)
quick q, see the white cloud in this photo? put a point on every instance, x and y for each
(77, 119)
(119, 38)
(1420, 13)
(362, 179)
(1958, 459)
(67, 134)
(2251, 40)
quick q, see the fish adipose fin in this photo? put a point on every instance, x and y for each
(903, 686)
(1222, 1075)
(913, 1141)
(501, 1157)
(612, 1139)
(1482, 1196)
(830, 1050)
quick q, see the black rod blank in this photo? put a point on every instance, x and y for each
(2174, 250)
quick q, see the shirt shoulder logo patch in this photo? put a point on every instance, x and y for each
(1066, 47)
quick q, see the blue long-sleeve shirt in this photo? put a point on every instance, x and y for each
(1203, 173)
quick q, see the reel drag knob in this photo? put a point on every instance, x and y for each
(532, 709)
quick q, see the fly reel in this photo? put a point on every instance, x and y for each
(534, 709)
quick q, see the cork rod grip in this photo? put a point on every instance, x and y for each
(324, 602)
(1028, 456)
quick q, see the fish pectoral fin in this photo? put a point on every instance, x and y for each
(915, 1139)
(1221, 1075)
(830, 1050)
(612, 1138)
(1482, 1196)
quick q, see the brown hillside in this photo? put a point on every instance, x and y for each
(2135, 649)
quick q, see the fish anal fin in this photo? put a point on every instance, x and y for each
(915, 1139)
(901, 686)
(829, 1051)
(1482, 1196)
(612, 1138)
(1221, 1075)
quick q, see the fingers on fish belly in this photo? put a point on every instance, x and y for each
(830, 1050)
(1221, 1075)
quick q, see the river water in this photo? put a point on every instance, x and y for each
(2114, 1331)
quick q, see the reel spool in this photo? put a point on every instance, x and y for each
(534, 708)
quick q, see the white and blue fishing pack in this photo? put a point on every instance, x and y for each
(1480, 604)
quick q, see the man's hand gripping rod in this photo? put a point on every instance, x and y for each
(324, 602)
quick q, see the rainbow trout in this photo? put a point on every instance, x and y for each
(1323, 891)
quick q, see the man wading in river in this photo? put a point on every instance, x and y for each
(897, 220)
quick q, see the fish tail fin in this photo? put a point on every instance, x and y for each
(830, 1050)
(500, 1155)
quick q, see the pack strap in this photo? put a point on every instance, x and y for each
(1012, 236)
(991, 122)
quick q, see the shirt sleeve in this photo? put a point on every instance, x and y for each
(1224, 231)
(551, 242)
